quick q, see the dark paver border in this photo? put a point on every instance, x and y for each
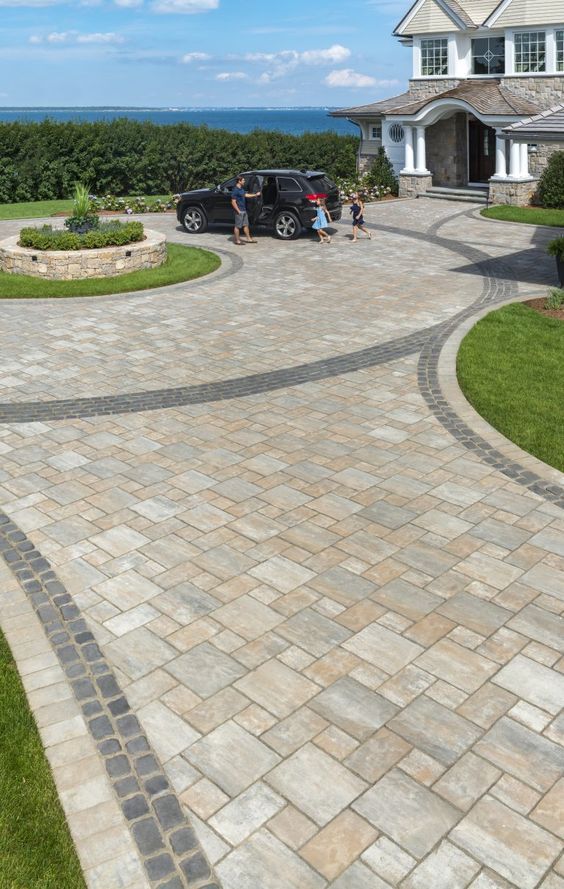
(169, 849)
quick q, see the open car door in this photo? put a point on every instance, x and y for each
(254, 205)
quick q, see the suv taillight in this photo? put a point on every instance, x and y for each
(316, 197)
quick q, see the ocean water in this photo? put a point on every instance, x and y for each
(239, 120)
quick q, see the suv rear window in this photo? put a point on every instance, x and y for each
(320, 184)
(287, 184)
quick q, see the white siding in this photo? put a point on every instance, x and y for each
(524, 13)
(430, 20)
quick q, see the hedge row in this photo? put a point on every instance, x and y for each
(111, 234)
(42, 161)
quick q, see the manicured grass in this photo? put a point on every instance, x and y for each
(532, 215)
(38, 209)
(510, 368)
(36, 850)
(183, 264)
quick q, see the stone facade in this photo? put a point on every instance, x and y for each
(67, 265)
(508, 191)
(446, 151)
(411, 184)
(544, 151)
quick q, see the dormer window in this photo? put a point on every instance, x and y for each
(560, 50)
(434, 57)
(530, 52)
(488, 55)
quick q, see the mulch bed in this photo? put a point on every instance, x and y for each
(539, 306)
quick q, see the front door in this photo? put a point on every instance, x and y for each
(481, 151)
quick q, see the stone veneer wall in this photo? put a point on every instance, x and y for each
(412, 185)
(446, 151)
(518, 194)
(68, 265)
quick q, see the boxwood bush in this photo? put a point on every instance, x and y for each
(108, 234)
(551, 185)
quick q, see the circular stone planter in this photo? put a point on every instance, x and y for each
(71, 265)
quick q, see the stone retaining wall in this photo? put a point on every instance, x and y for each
(68, 265)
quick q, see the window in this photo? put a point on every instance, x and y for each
(488, 55)
(287, 184)
(396, 133)
(434, 57)
(560, 50)
(376, 131)
(530, 52)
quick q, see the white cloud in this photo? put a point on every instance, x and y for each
(72, 38)
(195, 57)
(32, 3)
(346, 77)
(232, 75)
(128, 4)
(282, 63)
(333, 55)
(184, 7)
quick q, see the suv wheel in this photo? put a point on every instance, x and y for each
(194, 220)
(287, 226)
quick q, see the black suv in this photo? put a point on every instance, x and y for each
(286, 204)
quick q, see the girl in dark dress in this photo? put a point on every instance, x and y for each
(357, 210)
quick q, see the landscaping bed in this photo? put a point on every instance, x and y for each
(36, 850)
(182, 264)
(510, 369)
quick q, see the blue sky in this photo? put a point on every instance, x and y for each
(200, 52)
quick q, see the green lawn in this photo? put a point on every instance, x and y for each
(183, 264)
(36, 850)
(38, 209)
(532, 215)
(510, 368)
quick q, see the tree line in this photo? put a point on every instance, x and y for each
(43, 161)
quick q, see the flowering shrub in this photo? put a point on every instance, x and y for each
(361, 185)
(132, 204)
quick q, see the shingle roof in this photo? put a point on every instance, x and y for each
(546, 125)
(485, 96)
(471, 13)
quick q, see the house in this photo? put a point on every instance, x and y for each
(479, 68)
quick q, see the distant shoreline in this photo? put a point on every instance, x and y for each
(289, 120)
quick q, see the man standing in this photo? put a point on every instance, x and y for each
(239, 203)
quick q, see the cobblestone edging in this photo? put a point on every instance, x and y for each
(170, 851)
(430, 385)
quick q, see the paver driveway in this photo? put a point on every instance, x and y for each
(334, 610)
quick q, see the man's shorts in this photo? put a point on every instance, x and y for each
(241, 219)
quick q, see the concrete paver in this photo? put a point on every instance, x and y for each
(328, 614)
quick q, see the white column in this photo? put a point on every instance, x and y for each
(500, 157)
(524, 160)
(409, 163)
(515, 160)
(421, 162)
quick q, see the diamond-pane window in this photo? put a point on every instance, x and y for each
(488, 55)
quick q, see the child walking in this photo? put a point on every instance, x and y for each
(322, 220)
(357, 210)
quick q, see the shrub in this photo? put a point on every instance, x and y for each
(556, 247)
(360, 185)
(551, 185)
(381, 173)
(109, 234)
(555, 299)
(44, 160)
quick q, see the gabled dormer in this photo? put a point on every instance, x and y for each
(484, 38)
